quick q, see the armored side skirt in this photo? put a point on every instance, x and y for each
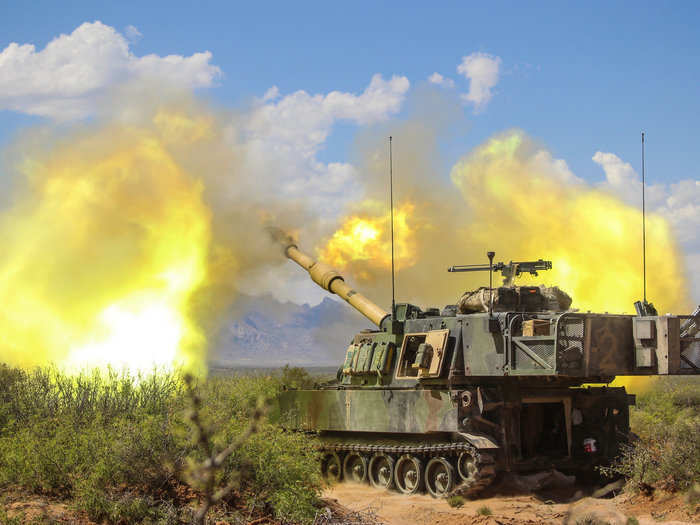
(385, 411)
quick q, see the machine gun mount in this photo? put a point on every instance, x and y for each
(508, 271)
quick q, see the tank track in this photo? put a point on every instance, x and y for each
(485, 475)
(485, 463)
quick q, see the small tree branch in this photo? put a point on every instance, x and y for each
(204, 474)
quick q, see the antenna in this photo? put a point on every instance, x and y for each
(391, 205)
(490, 256)
(644, 227)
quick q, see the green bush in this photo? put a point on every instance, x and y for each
(296, 377)
(456, 501)
(667, 453)
(484, 511)
(115, 444)
(669, 399)
(14, 520)
(279, 468)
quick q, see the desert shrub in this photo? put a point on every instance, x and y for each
(5, 519)
(692, 498)
(484, 511)
(46, 393)
(667, 401)
(297, 377)
(667, 453)
(282, 470)
(9, 377)
(591, 520)
(114, 429)
(278, 468)
(117, 507)
(456, 501)
(114, 444)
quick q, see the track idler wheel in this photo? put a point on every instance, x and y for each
(439, 477)
(331, 467)
(476, 472)
(408, 474)
(381, 471)
(355, 467)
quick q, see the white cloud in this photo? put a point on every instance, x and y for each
(437, 78)
(301, 122)
(618, 173)
(679, 202)
(556, 168)
(283, 135)
(132, 33)
(271, 94)
(66, 79)
(622, 180)
(482, 70)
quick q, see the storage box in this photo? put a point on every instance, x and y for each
(535, 327)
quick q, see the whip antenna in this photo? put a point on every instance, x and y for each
(391, 205)
(644, 227)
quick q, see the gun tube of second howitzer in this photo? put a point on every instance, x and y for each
(328, 279)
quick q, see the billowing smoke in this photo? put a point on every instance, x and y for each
(511, 196)
(125, 239)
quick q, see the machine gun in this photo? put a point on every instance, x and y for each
(508, 271)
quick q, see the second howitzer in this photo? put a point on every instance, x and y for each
(444, 399)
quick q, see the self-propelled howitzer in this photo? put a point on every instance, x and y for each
(445, 399)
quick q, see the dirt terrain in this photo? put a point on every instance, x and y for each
(368, 505)
(507, 508)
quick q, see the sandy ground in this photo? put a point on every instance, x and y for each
(393, 508)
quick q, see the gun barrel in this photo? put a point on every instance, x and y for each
(328, 279)
(468, 268)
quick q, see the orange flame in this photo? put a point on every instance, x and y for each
(366, 237)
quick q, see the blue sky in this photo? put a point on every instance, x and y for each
(579, 77)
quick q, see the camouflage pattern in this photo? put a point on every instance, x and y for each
(482, 391)
(386, 410)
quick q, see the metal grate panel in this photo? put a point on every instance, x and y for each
(570, 342)
(545, 351)
(542, 349)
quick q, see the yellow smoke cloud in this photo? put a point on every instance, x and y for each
(523, 212)
(520, 203)
(103, 247)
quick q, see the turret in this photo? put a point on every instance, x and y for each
(329, 279)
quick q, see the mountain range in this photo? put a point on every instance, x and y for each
(265, 332)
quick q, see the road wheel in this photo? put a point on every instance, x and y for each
(408, 474)
(467, 468)
(355, 467)
(439, 477)
(331, 467)
(381, 471)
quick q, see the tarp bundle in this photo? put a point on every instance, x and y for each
(505, 298)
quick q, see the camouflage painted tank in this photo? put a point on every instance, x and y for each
(443, 400)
